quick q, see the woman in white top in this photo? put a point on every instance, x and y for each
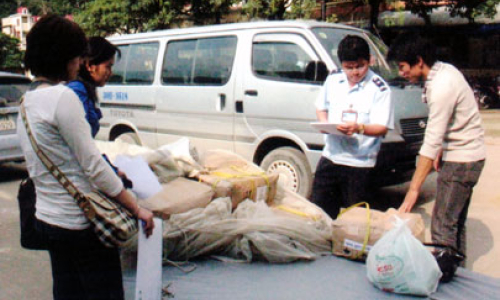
(82, 267)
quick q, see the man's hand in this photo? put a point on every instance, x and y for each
(349, 128)
(409, 202)
(424, 166)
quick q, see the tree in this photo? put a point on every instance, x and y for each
(472, 9)
(7, 7)
(469, 9)
(203, 12)
(279, 9)
(104, 17)
(11, 58)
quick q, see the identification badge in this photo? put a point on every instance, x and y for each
(349, 116)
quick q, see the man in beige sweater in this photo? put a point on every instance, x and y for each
(454, 138)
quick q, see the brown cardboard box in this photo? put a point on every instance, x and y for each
(349, 230)
(178, 196)
(240, 183)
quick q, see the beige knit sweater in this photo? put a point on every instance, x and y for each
(454, 120)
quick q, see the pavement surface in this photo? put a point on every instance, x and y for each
(26, 274)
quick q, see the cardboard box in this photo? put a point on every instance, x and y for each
(240, 183)
(178, 196)
(349, 230)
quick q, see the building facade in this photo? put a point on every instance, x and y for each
(18, 25)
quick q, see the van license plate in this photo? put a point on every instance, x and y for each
(6, 123)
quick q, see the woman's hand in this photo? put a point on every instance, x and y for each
(144, 215)
(147, 217)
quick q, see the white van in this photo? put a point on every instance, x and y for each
(249, 88)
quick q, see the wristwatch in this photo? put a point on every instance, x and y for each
(361, 128)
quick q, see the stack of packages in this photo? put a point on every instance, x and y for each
(218, 203)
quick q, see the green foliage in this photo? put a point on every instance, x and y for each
(209, 11)
(7, 8)
(470, 9)
(11, 58)
(301, 9)
(279, 9)
(104, 17)
(266, 9)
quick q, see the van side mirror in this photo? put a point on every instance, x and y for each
(316, 71)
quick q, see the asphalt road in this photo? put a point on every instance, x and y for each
(26, 274)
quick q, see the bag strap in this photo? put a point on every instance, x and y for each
(79, 197)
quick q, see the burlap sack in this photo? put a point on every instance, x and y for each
(350, 230)
(219, 159)
(178, 196)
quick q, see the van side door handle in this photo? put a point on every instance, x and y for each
(238, 106)
(251, 93)
(221, 102)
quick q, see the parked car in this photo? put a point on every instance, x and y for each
(249, 88)
(12, 87)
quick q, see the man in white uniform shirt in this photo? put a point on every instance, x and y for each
(360, 102)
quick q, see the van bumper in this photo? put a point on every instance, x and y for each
(396, 163)
(10, 149)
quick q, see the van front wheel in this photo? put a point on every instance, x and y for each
(292, 167)
(130, 138)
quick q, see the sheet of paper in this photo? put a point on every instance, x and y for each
(326, 127)
(149, 264)
(145, 182)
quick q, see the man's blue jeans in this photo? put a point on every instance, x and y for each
(454, 191)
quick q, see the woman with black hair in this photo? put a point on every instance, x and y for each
(82, 267)
(95, 71)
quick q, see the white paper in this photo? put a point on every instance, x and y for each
(327, 127)
(261, 193)
(149, 264)
(145, 182)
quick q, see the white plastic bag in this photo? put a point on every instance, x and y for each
(400, 263)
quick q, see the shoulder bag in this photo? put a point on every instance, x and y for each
(26, 197)
(112, 222)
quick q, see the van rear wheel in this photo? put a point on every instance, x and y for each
(292, 167)
(130, 138)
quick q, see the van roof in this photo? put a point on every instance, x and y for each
(229, 27)
(12, 75)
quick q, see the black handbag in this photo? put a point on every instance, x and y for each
(448, 259)
(30, 238)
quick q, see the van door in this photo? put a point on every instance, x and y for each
(129, 97)
(278, 104)
(196, 88)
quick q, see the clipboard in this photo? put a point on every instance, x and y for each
(331, 128)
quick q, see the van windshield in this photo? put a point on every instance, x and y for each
(330, 38)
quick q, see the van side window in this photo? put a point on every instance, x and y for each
(280, 61)
(118, 76)
(136, 65)
(206, 61)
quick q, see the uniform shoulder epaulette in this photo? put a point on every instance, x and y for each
(378, 82)
(338, 71)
